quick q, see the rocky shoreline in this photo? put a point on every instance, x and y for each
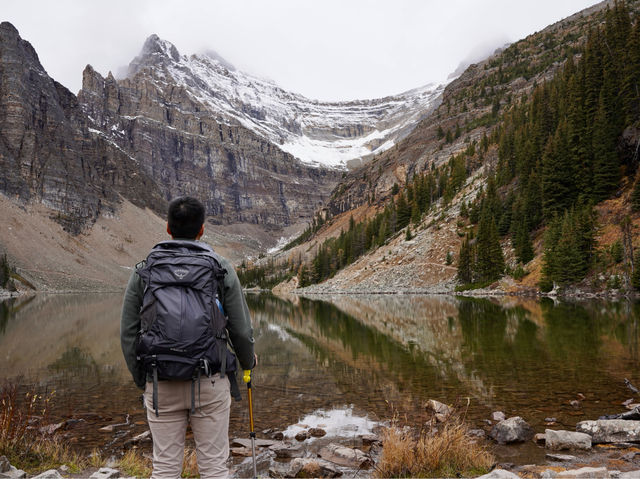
(602, 449)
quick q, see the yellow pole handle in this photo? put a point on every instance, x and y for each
(247, 376)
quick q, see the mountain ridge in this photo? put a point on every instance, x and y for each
(316, 132)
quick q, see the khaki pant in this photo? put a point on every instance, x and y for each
(210, 426)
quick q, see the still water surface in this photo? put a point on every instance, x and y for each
(378, 355)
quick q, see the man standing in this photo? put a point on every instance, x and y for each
(185, 290)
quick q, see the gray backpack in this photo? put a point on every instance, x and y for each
(183, 332)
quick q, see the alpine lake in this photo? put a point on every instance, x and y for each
(346, 363)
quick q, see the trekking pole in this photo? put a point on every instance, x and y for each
(252, 434)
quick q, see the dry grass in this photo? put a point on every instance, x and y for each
(133, 463)
(448, 451)
(190, 463)
(23, 433)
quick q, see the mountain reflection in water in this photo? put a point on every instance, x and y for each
(379, 355)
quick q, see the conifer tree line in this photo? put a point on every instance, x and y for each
(557, 156)
(558, 150)
(406, 207)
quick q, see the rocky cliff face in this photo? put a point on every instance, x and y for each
(316, 132)
(48, 153)
(188, 148)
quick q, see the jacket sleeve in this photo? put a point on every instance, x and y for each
(239, 325)
(130, 325)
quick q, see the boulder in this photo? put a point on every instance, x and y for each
(307, 467)
(498, 416)
(629, 475)
(13, 473)
(105, 473)
(514, 429)
(317, 432)
(440, 410)
(345, 456)
(500, 474)
(585, 473)
(286, 451)
(610, 430)
(50, 474)
(558, 440)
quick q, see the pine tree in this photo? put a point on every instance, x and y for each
(522, 242)
(404, 212)
(489, 258)
(408, 236)
(606, 168)
(635, 197)
(415, 213)
(557, 185)
(465, 262)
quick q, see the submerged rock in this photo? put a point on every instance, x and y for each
(514, 429)
(317, 432)
(561, 457)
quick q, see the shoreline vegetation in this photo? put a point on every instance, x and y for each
(441, 447)
(440, 444)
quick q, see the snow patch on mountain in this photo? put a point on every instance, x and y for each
(318, 133)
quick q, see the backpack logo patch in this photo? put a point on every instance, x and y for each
(180, 273)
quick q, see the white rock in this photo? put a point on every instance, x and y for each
(50, 474)
(629, 475)
(14, 473)
(105, 473)
(500, 474)
(498, 416)
(586, 473)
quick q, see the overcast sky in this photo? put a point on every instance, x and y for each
(324, 49)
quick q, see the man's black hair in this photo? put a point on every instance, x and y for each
(186, 216)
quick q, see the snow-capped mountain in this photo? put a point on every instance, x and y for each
(318, 133)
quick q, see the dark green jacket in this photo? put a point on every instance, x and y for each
(235, 306)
